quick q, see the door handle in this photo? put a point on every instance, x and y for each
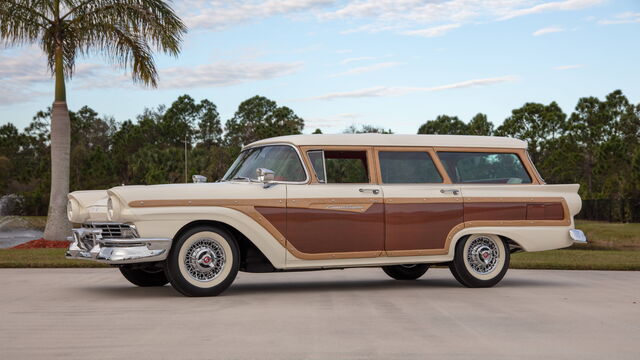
(374, 191)
(450, 191)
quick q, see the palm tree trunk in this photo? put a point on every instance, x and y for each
(58, 227)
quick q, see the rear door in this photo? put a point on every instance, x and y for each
(421, 211)
(341, 213)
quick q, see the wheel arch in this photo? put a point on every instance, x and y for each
(507, 236)
(251, 257)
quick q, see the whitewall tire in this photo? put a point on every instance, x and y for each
(480, 260)
(204, 261)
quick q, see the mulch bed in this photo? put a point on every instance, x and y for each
(43, 244)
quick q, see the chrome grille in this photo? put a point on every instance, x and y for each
(113, 230)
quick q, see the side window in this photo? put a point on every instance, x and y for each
(317, 161)
(484, 168)
(339, 167)
(346, 166)
(408, 167)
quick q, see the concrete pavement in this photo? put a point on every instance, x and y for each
(338, 314)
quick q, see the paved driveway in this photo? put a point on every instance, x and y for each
(339, 314)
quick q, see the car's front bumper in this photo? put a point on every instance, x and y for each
(88, 244)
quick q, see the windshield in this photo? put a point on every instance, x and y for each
(283, 160)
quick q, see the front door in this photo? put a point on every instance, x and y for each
(421, 212)
(339, 215)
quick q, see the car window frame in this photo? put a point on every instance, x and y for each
(300, 158)
(371, 165)
(529, 167)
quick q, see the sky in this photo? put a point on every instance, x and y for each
(390, 63)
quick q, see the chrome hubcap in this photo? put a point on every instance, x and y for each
(205, 259)
(483, 255)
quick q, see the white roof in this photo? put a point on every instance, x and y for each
(396, 140)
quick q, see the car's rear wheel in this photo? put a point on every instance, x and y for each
(204, 261)
(406, 271)
(480, 260)
(144, 274)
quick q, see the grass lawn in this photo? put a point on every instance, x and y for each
(570, 259)
(40, 258)
(611, 235)
(577, 259)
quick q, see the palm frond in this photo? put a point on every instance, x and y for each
(22, 21)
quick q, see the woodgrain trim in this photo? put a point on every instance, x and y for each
(436, 200)
(313, 202)
(566, 220)
(419, 252)
(521, 153)
(207, 202)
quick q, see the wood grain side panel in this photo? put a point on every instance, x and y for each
(315, 231)
(420, 226)
(495, 211)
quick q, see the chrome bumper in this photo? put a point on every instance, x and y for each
(578, 236)
(88, 244)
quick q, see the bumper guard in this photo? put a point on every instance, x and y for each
(88, 244)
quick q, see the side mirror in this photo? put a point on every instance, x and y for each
(265, 175)
(199, 179)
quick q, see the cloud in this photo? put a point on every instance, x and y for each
(435, 17)
(382, 91)
(565, 5)
(432, 31)
(568, 67)
(403, 16)
(354, 59)
(548, 30)
(339, 120)
(365, 69)
(223, 74)
(218, 14)
(628, 17)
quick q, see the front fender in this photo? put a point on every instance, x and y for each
(167, 221)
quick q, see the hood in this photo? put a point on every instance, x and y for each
(190, 191)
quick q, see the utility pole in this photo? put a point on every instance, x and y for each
(186, 178)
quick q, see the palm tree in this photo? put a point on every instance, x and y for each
(125, 32)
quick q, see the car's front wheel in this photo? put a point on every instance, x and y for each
(144, 275)
(406, 272)
(480, 260)
(204, 261)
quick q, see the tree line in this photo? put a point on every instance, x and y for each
(597, 145)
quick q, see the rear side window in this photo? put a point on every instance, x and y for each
(340, 166)
(484, 168)
(408, 167)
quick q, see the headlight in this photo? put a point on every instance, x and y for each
(113, 208)
(70, 210)
(75, 212)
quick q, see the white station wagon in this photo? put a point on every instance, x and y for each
(400, 202)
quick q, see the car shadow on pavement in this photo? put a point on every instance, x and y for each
(130, 291)
(287, 287)
(373, 285)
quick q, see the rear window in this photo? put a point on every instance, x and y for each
(484, 168)
(408, 167)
